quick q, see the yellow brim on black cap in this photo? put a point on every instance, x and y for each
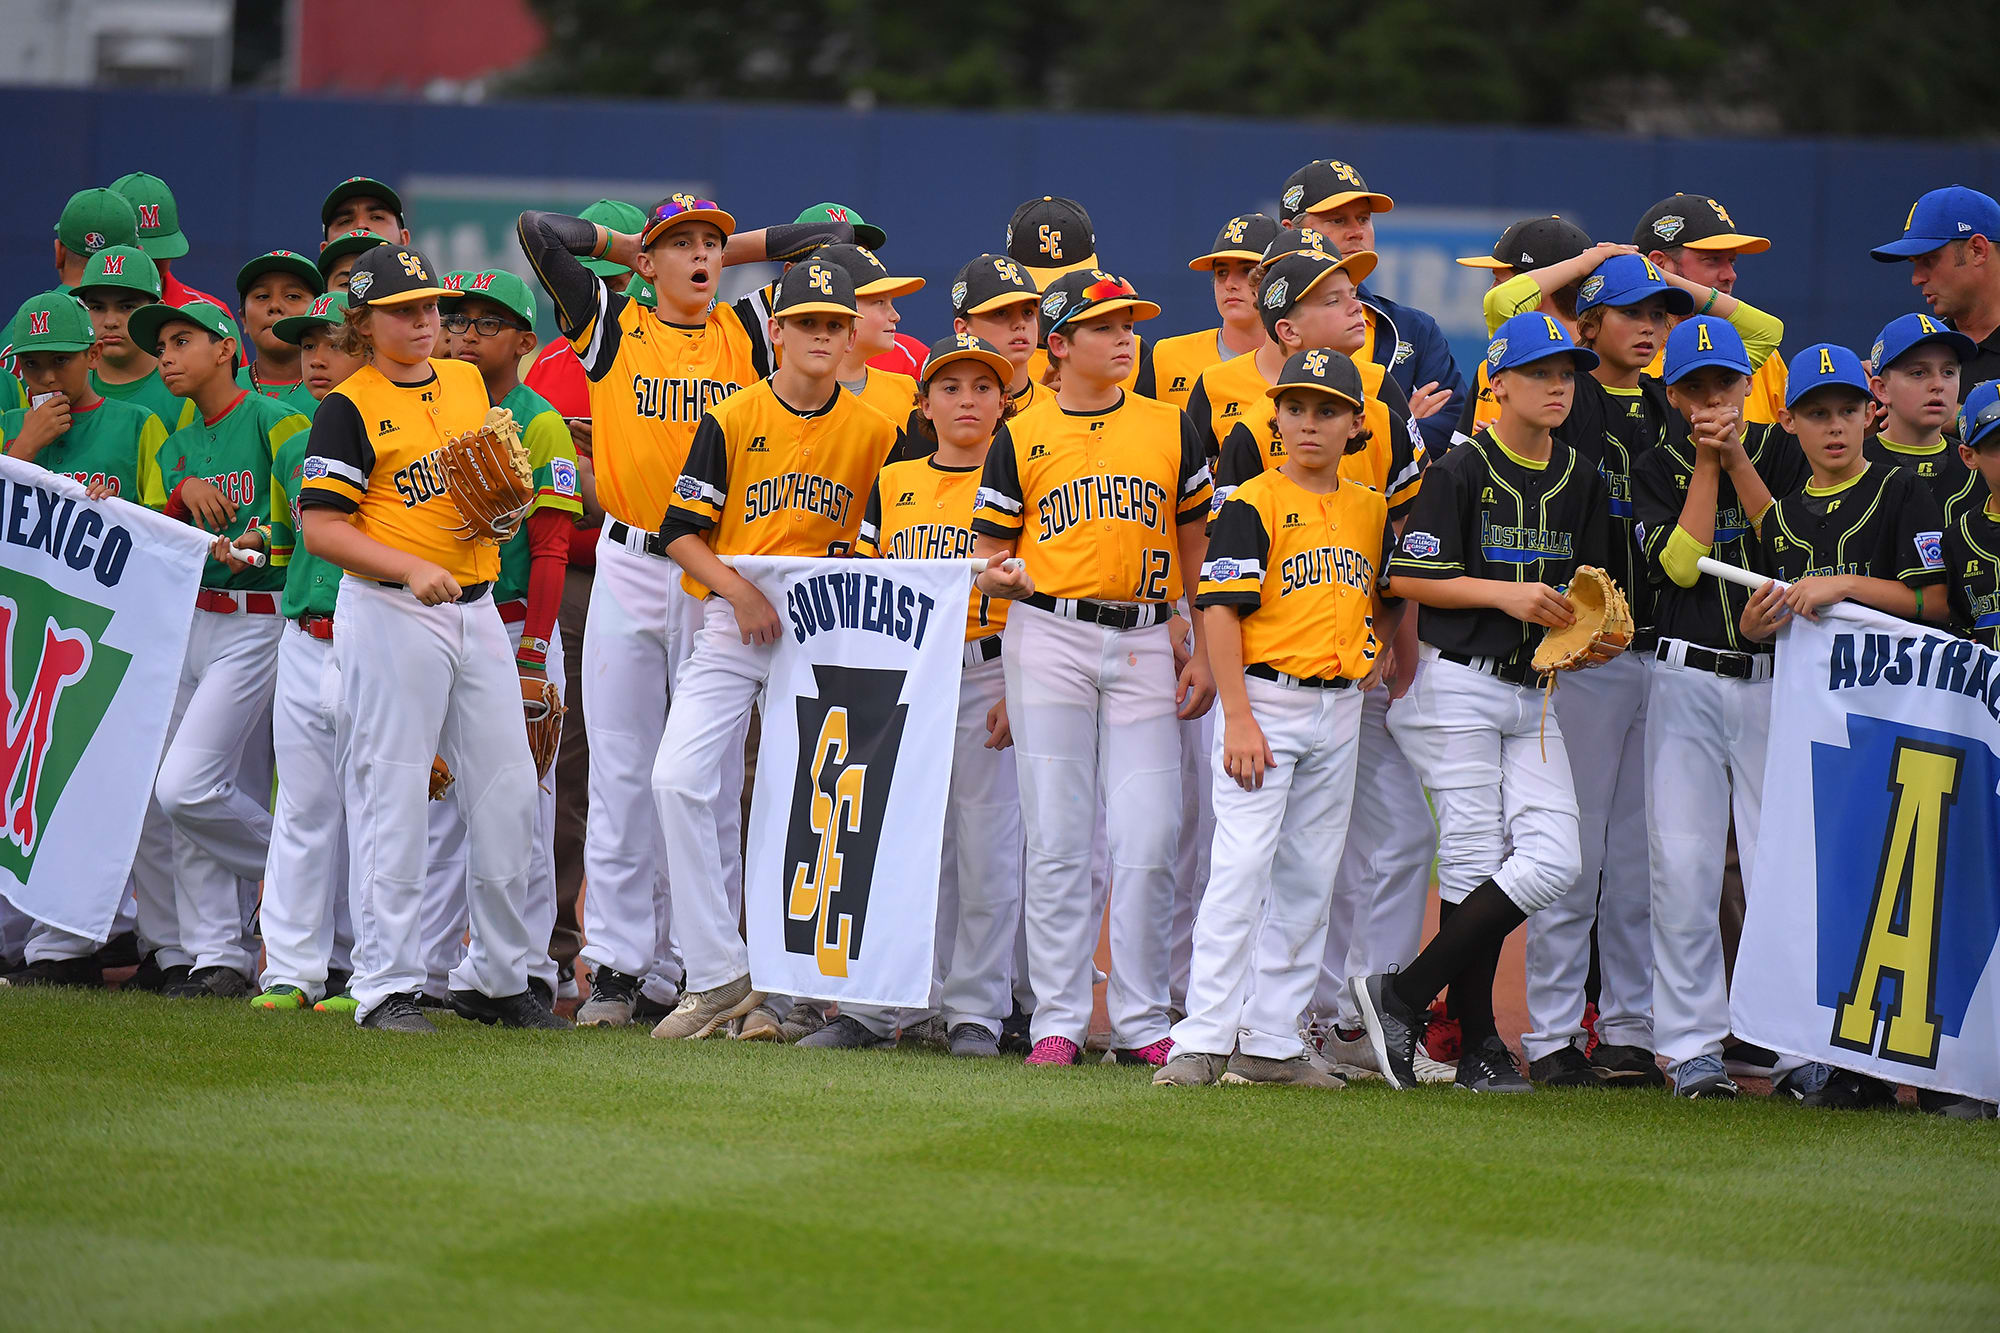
(992, 303)
(813, 308)
(1483, 261)
(1731, 241)
(1380, 203)
(1356, 266)
(1044, 276)
(993, 361)
(1141, 309)
(891, 287)
(1202, 263)
(1283, 388)
(404, 298)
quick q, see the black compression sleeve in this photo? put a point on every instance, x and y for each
(795, 240)
(552, 242)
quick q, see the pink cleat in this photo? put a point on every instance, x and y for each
(1054, 1051)
(1155, 1055)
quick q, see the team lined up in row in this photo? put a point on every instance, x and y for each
(1594, 436)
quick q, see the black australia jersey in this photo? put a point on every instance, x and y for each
(1615, 428)
(1882, 524)
(1708, 613)
(1972, 559)
(1485, 513)
(1951, 482)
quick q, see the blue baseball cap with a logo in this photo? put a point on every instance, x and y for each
(1979, 414)
(1950, 214)
(1824, 366)
(1531, 337)
(1703, 341)
(1627, 280)
(1906, 333)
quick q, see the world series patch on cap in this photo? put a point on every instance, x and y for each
(1979, 414)
(990, 282)
(391, 275)
(1624, 280)
(1906, 333)
(1088, 294)
(1323, 184)
(1531, 337)
(1695, 221)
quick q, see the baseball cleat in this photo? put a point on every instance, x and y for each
(802, 1020)
(1489, 1067)
(1055, 1051)
(1703, 1078)
(279, 998)
(1297, 1072)
(1155, 1054)
(529, 1010)
(1627, 1066)
(1190, 1069)
(1564, 1067)
(79, 972)
(761, 1024)
(1394, 1029)
(613, 997)
(398, 1013)
(927, 1032)
(847, 1034)
(702, 1012)
(119, 951)
(1442, 1037)
(223, 983)
(342, 1004)
(154, 978)
(974, 1040)
(1952, 1106)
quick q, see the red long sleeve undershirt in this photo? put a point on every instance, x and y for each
(548, 559)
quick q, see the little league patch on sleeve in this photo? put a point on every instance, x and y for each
(1224, 570)
(1930, 548)
(1421, 544)
(687, 488)
(315, 467)
(563, 475)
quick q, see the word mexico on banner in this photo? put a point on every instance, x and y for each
(847, 819)
(1875, 900)
(96, 597)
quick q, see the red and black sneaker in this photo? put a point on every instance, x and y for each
(1589, 1028)
(1441, 1036)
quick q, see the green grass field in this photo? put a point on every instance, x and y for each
(198, 1165)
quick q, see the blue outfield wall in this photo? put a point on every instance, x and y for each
(249, 171)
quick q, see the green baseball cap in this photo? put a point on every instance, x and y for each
(502, 288)
(280, 261)
(52, 322)
(329, 310)
(146, 322)
(865, 233)
(347, 243)
(613, 215)
(96, 220)
(160, 232)
(642, 291)
(126, 267)
(355, 186)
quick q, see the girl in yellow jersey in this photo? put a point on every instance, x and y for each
(423, 657)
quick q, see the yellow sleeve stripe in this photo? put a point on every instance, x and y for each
(333, 486)
(1679, 556)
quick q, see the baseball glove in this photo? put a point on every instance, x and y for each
(1602, 616)
(441, 778)
(488, 476)
(541, 701)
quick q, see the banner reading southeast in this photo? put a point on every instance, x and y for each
(847, 820)
(95, 602)
(1875, 901)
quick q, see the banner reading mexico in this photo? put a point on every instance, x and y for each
(1875, 901)
(95, 602)
(847, 820)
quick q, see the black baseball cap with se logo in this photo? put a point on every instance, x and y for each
(814, 286)
(990, 282)
(1697, 222)
(1088, 294)
(391, 275)
(1327, 183)
(1322, 370)
(1051, 236)
(1245, 236)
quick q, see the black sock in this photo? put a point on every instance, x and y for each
(1445, 911)
(1473, 990)
(1487, 916)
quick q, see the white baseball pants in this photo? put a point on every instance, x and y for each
(416, 682)
(1092, 711)
(1384, 881)
(1191, 859)
(208, 784)
(1504, 812)
(1607, 704)
(445, 918)
(1705, 741)
(308, 929)
(1261, 931)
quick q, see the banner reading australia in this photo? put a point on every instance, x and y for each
(1876, 896)
(95, 602)
(846, 823)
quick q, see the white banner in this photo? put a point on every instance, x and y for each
(95, 602)
(840, 882)
(1875, 899)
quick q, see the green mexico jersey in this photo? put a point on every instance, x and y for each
(237, 454)
(295, 395)
(310, 582)
(13, 393)
(113, 442)
(150, 392)
(552, 453)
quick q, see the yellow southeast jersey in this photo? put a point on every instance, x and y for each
(373, 454)
(650, 383)
(1175, 363)
(889, 393)
(1392, 463)
(762, 479)
(1302, 569)
(922, 510)
(1232, 391)
(1094, 500)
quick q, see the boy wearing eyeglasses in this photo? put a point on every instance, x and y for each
(490, 323)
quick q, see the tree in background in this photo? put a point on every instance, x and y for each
(1696, 66)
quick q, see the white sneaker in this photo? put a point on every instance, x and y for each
(703, 1012)
(1432, 1071)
